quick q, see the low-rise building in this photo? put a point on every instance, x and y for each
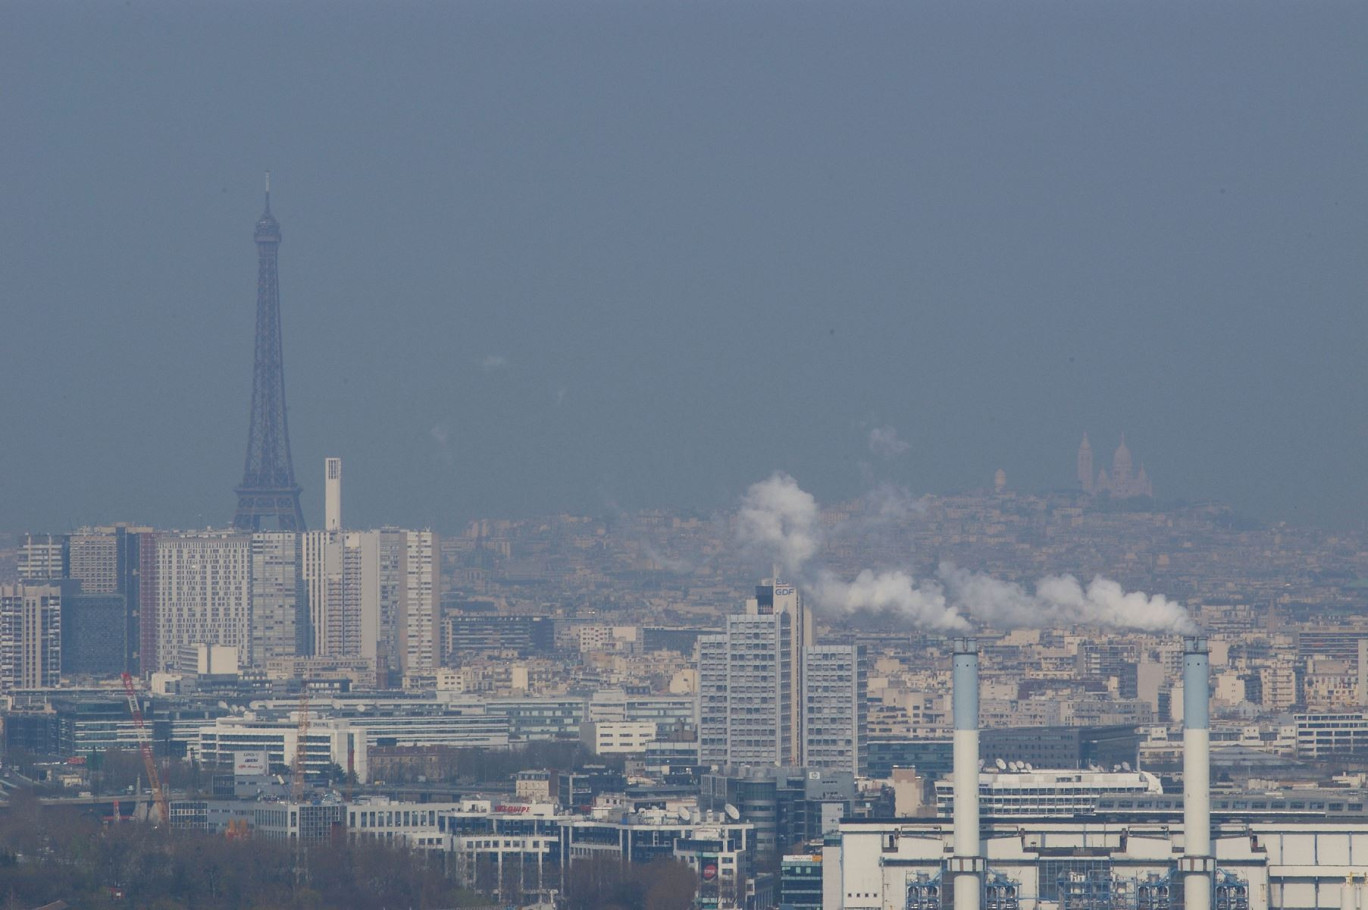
(617, 737)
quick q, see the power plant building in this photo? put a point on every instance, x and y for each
(1116, 842)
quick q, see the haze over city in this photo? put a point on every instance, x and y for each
(579, 257)
(684, 455)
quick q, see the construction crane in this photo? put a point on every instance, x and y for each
(301, 741)
(301, 744)
(145, 747)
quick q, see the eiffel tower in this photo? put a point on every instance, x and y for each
(268, 489)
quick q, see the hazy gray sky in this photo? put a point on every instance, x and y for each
(548, 256)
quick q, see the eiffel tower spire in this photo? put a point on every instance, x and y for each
(268, 489)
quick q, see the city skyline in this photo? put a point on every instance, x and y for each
(571, 259)
(849, 454)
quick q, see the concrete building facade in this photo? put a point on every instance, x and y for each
(30, 636)
(202, 592)
(745, 680)
(279, 598)
(834, 708)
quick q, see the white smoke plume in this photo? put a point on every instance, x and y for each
(884, 442)
(888, 502)
(442, 436)
(1060, 601)
(781, 523)
(920, 603)
(1105, 603)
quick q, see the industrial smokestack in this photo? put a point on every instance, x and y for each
(966, 865)
(1197, 863)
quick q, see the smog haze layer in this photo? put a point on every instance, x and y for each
(546, 257)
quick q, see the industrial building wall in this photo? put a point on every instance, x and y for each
(1287, 865)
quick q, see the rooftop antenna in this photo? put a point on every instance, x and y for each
(268, 192)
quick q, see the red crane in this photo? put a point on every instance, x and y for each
(145, 747)
(301, 740)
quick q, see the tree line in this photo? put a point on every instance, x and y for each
(50, 853)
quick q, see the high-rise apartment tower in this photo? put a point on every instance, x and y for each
(744, 684)
(773, 596)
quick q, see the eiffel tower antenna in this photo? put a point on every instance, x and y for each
(268, 490)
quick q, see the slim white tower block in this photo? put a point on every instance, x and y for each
(332, 486)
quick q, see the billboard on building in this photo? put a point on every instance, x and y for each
(250, 764)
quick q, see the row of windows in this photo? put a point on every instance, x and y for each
(393, 818)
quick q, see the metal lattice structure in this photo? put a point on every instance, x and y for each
(1232, 892)
(924, 892)
(268, 489)
(1158, 892)
(1094, 889)
(1000, 892)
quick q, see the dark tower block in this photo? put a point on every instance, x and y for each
(268, 490)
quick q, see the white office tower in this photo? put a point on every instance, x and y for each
(327, 622)
(834, 703)
(30, 636)
(93, 558)
(372, 585)
(203, 593)
(750, 663)
(420, 604)
(332, 630)
(362, 584)
(42, 557)
(712, 700)
(332, 494)
(278, 598)
(375, 595)
(774, 596)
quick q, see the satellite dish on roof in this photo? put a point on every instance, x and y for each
(1002, 765)
(1125, 766)
(1028, 767)
(732, 812)
(685, 815)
